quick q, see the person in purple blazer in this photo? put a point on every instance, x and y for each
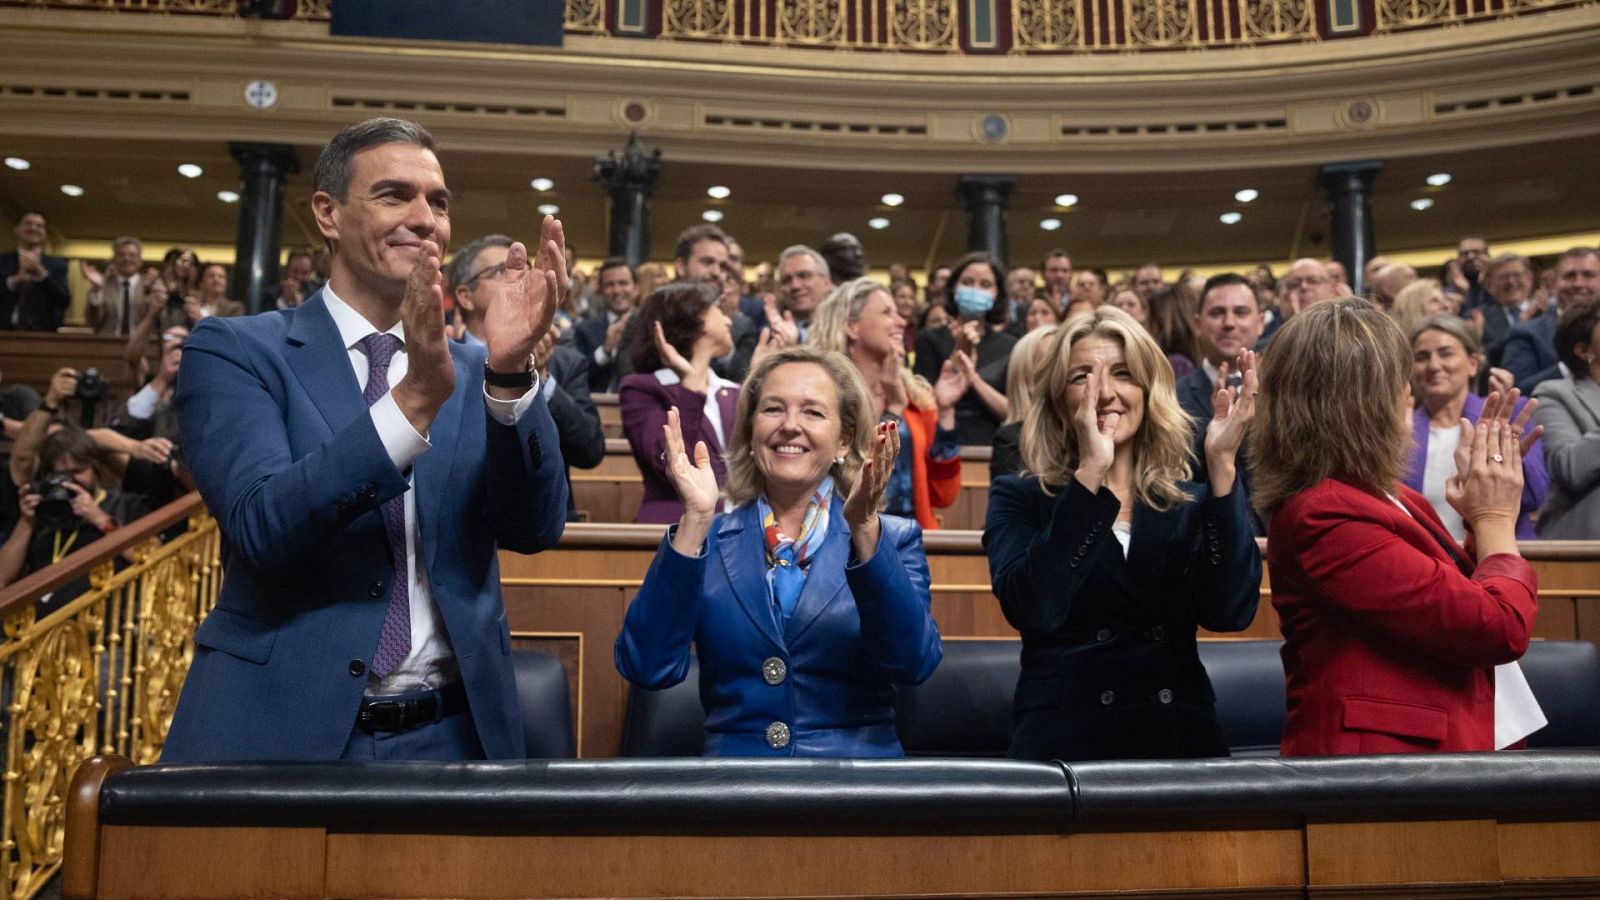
(674, 370)
(1445, 358)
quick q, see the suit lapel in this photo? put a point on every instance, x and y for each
(1147, 551)
(321, 362)
(740, 545)
(432, 469)
(1423, 516)
(824, 578)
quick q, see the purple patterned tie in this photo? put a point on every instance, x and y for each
(394, 639)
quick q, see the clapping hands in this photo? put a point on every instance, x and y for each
(1230, 414)
(523, 302)
(695, 483)
(866, 497)
(1486, 488)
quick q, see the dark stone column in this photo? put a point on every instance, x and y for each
(1348, 188)
(987, 197)
(262, 168)
(629, 177)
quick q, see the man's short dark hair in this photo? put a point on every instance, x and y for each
(1222, 280)
(70, 441)
(694, 234)
(1575, 327)
(298, 253)
(30, 212)
(463, 264)
(1053, 254)
(1577, 253)
(336, 165)
(616, 262)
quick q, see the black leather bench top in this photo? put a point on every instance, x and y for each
(654, 796)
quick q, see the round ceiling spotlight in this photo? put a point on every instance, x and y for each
(228, 196)
(712, 215)
(1066, 199)
(878, 223)
(72, 190)
(18, 163)
(1230, 218)
(190, 170)
(892, 199)
(1050, 224)
(718, 192)
(1247, 195)
(548, 209)
(1439, 179)
(1422, 203)
(541, 184)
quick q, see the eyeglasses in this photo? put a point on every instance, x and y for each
(494, 271)
(1290, 284)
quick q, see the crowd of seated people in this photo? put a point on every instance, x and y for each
(799, 424)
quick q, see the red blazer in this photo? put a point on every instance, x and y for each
(1388, 646)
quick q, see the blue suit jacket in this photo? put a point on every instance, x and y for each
(289, 461)
(858, 630)
(1530, 352)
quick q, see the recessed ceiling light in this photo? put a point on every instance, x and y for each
(1230, 218)
(190, 170)
(712, 215)
(893, 199)
(878, 223)
(72, 190)
(1050, 224)
(1422, 203)
(541, 184)
(718, 192)
(1439, 179)
(18, 163)
(228, 196)
(548, 209)
(1066, 199)
(1246, 195)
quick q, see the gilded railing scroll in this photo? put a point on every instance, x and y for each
(100, 674)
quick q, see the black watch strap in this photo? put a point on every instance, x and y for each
(523, 379)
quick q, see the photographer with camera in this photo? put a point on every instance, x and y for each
(66, 508)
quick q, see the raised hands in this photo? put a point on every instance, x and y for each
(783, 327)
(1486, 488)
(430, 376)
(94, 276)
(1230, 414)
(866, 497)
(695, 483)
(952, 383)
(967, 336)
(523, 302)
(1096, 448)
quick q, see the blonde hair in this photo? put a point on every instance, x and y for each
(1022, 372)
(856, 422)
(1331, 383)
(1411, 303)
(838, 311)
(1161, 446)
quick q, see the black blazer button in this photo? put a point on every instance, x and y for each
(358, 668)
(1107, 698)
(1157, 633)
(1103, 635)
(375, 589)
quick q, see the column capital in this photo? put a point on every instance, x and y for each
(986, 189)
(280, 157)
(629, 177)
(1363, 171)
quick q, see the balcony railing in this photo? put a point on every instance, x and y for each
(963, 26)
(101, 674)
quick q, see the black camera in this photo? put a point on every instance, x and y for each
(91, 385)
(55, 500)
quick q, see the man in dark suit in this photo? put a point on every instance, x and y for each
(35, 296)
(365, 471)
(599, 338)
(566, 389)
(1530, 348)
(1509, 281)
(1230, 321)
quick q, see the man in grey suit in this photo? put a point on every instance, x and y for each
(1569, 410)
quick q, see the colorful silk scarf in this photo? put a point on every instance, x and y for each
(788, 558)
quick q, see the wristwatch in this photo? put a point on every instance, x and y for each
(523, 379)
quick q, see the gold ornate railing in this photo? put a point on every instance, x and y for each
(100, 674)
(981, 26)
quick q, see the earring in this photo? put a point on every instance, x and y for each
(838, 460)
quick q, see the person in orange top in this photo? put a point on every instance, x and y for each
(1392, 632)
(859, 319)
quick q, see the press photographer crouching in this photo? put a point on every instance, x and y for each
(67, 507)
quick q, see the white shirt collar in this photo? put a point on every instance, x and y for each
(714, 381)
(353, 327)
(1211, 371)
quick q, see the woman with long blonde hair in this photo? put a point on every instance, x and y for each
(860, 320)
(1107, 557)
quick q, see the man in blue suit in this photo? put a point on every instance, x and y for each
(1229, 322)
(364, 471)
(1530, 349)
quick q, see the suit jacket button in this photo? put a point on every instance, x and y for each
(1103, 635)
(777, 735)
(358, 668)
(375, 589)
(774, 670)
(1157, 633)
(1107, 698)
(1165, 697)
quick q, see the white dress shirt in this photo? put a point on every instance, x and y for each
(431, 662)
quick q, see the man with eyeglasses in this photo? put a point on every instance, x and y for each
(1306, 283)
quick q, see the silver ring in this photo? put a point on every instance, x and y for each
(1498, 458)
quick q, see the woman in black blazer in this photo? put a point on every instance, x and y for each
(1106, 557)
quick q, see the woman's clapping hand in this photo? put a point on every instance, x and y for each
(866, 497)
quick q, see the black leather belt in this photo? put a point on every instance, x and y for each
(407, 712)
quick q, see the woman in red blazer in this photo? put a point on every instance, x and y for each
(1391, 631)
